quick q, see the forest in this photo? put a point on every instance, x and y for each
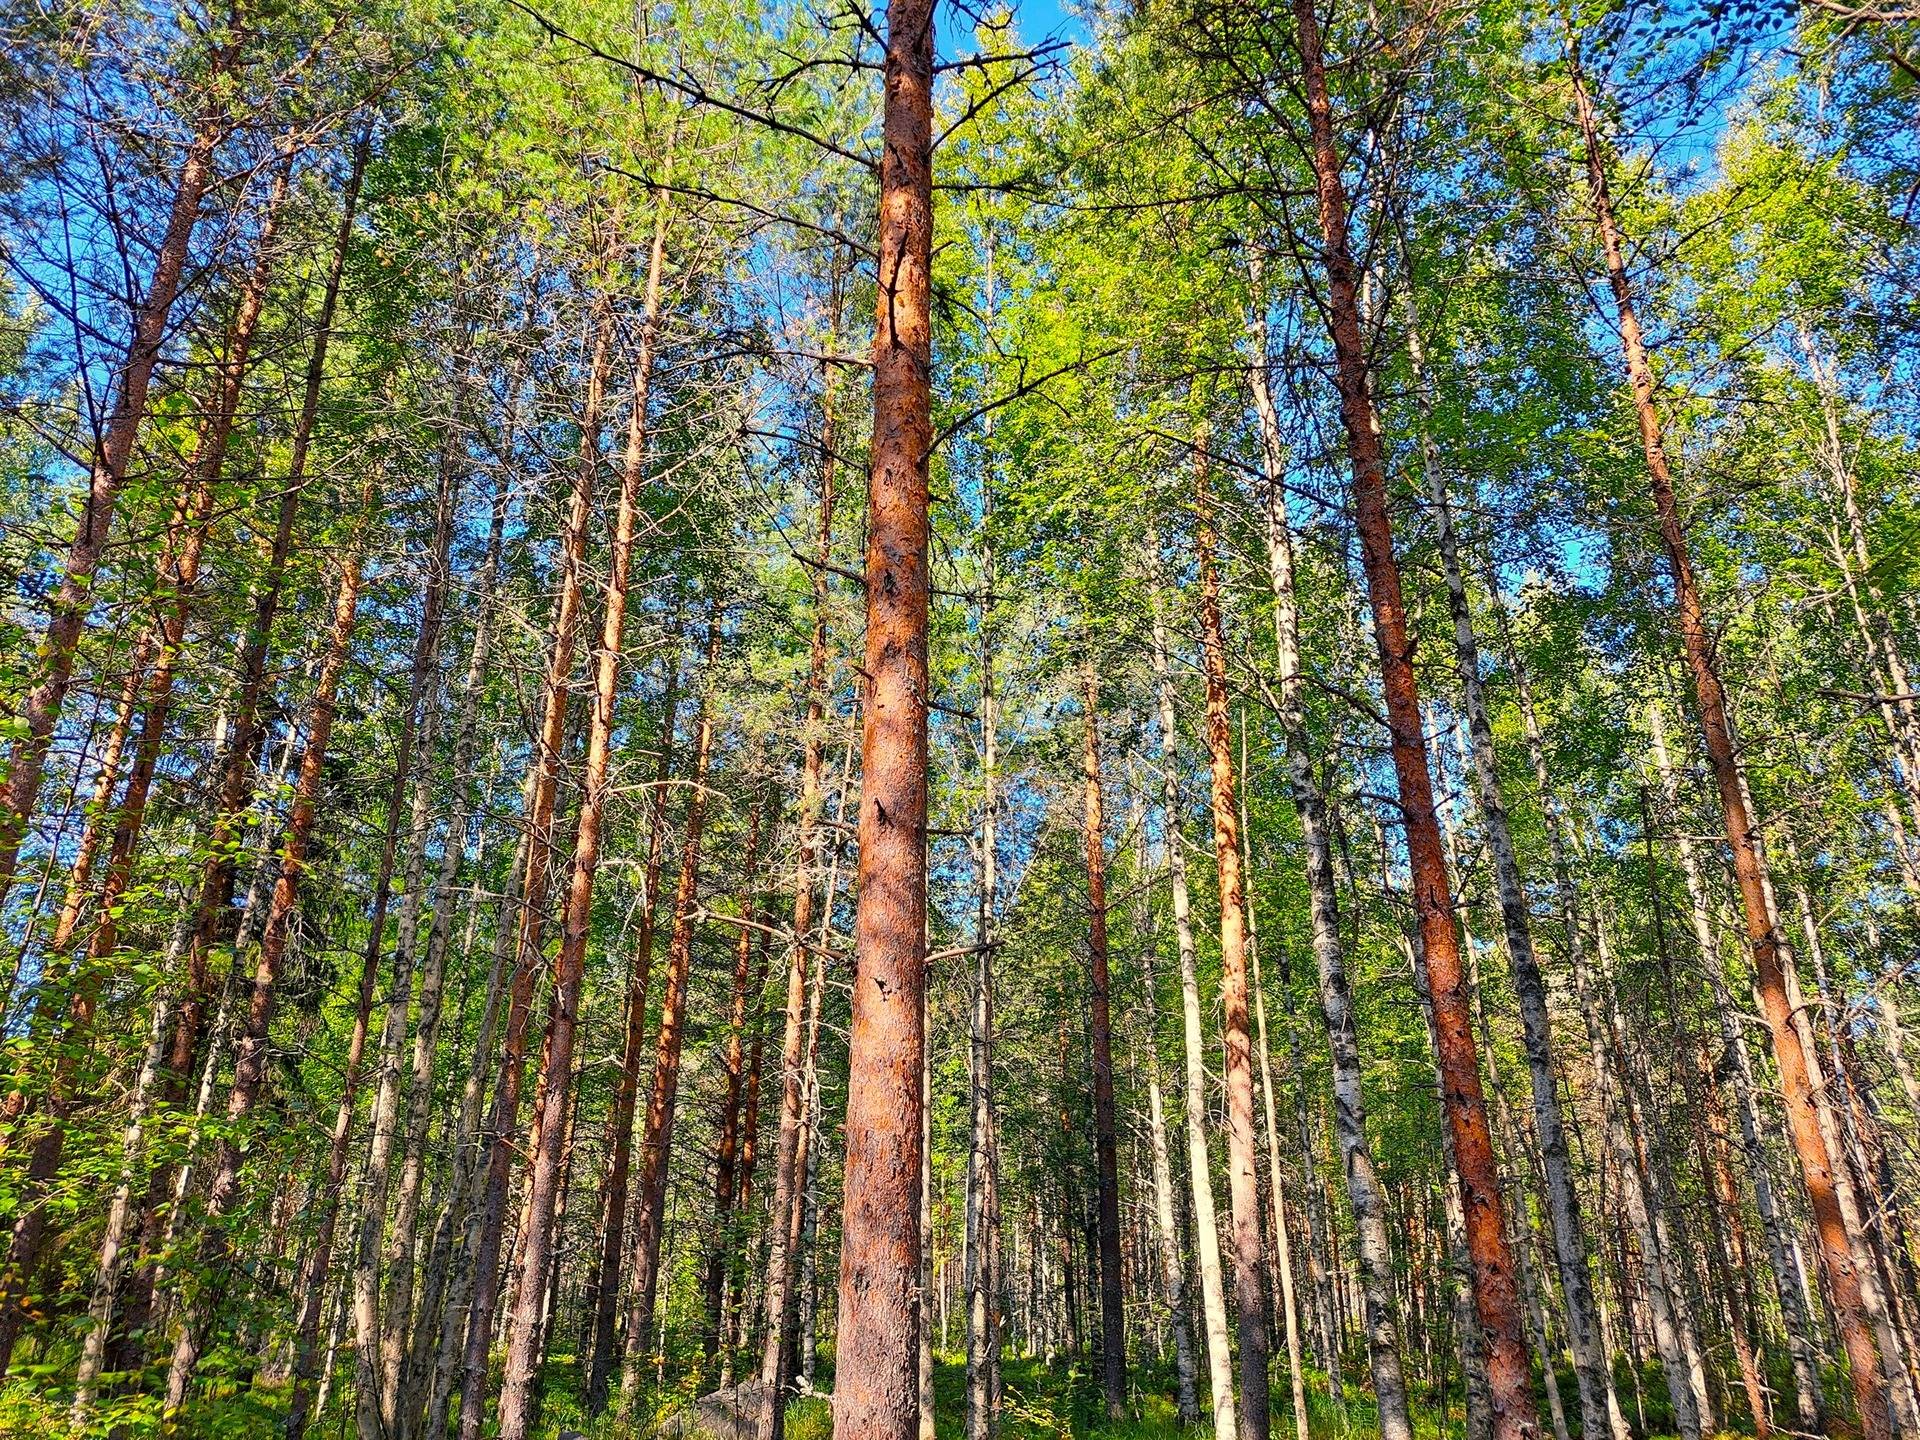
(1099, 721)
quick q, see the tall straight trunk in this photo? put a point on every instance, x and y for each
(376, 1404)
(744, 1197)
(219, 869)
(769, 1418)
(1772, 958)
(251, 1054)
(1113, 1315)
(1165, 1229)
(543, 783)
(604, 1287)
(180, 573)
(1249, 1250)
(52, 670)
(1199, 1169)
(799, 1362)
(1635, 1187)
(1282, 1258)
(656, 1135)
(397, 1256)
(1599, 1408)
(982, 1200)
(1738, 1066)
(875, 1386)
(1336, 991)
(517, 1395)
(436, 1350)
(727, 1148)
(1495, 1289)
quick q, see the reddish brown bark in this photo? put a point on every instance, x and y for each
(179, 575)
(1496, 1292)
(781, 1293)
(250, 1054)
(523, 1352)
(656, 1140)
(1772, 960)
(67, 618)
(1113, 1315)
(504, 1122)
(727, 1151)
(749, 1158)
(236, 784)
(604, 1286)
(1249, 1247)
(876, 1379)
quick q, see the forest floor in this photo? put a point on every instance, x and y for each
(1062, 1401)
(1044, 1401)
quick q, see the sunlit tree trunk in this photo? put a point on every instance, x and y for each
(52, 669)
(1249, 1250)
(517, 1395)
(1772, 959)
(543, 783)
(656, 1135)
(251, 1054)
(1336, 997)
(1199, 1171)
(1113, 1315)
(1463, 1101)
(875, 1387)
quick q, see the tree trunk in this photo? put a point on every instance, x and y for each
(1599, 1409)
(250, 1059)
(1336, 991)
(517, 1395)
(1166, 1231)
(1199, 1170)
(1249, 1250)
(604, 1288)
(397, 1256)
(543, 782)
(1113, 1315)
(769, 1421)
(52, 669)
(376, 1404)
(1495, 1291)
(656, 1136)
(743, 1194)
(982, 1199)
(727, 1150)
(875, 1388)
(1772, 958)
